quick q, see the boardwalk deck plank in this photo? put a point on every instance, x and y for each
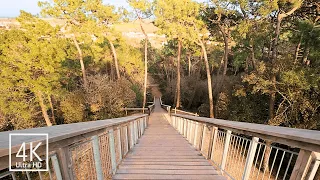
(162, 153)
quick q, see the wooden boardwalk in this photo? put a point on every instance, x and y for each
(162, 153)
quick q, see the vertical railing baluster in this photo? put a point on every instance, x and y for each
(225, 150)
(214, 140)
(112, 152)
(250, 158)
(97, 157)
(56, 167)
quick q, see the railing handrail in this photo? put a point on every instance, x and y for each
(149, 107)
(59, 132)
(176, 110)
(134, 108)
(185, 112)
(300, 138)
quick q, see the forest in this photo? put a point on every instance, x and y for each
(241, 60)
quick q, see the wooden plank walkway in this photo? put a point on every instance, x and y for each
(162, 153)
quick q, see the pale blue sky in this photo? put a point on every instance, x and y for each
(11, 8)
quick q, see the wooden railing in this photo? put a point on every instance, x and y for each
(170, 110)
(87, 150)
(252, 151)
(149, 108)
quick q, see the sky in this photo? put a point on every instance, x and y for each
(11, 8)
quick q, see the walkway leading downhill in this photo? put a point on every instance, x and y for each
(162, 153)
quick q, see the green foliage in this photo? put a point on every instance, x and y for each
(179, 19)
(38, 57)
(30, 61)
(73, 107)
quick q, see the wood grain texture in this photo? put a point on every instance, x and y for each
(300, 138)
(58, 132)
(162, 153)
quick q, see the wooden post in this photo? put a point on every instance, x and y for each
(196, 134)
(131, 134)
(192, 132)
(126, 140)
(64, 162)
(181, 125)
(203, 135)
(250, 157)
(135, 132)
(189, 130)
(119, 142)
(146, 119)
(142, 125)
(225, 150)
(185, 127)
(210, 142)
(112, 152)
(314, 166)
(214, 140)
(301, 167)
(97, 157)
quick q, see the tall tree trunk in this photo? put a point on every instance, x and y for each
(111, 71)
(189, 64)
(52, 109)
(145, 65)
(246, 67)
(225, 35)
(178, 90)
(226, 50)
(209, 78)
(43, 108)
(84, 75)
(253, 58)
(306, 53)
(145, 72)
(275, 55)
(269, 50)
(272, 99)
(115, 59)
(296, 54)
